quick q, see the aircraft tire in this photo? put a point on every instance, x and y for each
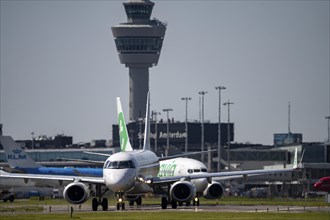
(105, 204)
(139, 201)
(174, 204)
(164, 202)
(94, 204)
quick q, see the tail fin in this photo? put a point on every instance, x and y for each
(146, 144)
(295, 160)
(125, 145)
(16, 156)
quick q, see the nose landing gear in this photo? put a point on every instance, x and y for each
(120, 202)
(196, 201)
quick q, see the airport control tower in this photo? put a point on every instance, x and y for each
(139, 42)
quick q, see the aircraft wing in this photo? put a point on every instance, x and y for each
(184, 155)
(95, 162)
(224, 175)
(85, 179)
(95, 153)
(216, 176)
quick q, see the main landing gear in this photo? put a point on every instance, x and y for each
(100, 201)
(174, 204)
(165, 202)
(138, 201)
(103, 203)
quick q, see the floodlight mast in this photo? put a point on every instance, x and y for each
(228, 103)
(219, 127)
(186, 123)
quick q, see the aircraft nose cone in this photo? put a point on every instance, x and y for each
(317, 186)
(120, 180)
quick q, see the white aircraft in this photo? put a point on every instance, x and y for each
(134, 172)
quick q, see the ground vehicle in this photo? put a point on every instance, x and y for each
(7, 195)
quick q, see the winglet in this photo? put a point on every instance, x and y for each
(125, 144)
(146, 142)
(16, 156)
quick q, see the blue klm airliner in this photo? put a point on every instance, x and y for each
(20, 161)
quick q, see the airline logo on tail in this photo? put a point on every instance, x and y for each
(16, 155)
(125, 145)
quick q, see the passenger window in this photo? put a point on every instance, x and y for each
(190, 171)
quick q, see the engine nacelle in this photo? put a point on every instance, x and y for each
(76, 193)
(213, 191)
(183, 191)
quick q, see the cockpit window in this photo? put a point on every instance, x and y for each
(203, 170)
(106, 164)
(120, 164)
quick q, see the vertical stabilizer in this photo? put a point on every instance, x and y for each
(16, 156)
(295, 160)
(146, 143)
(125, 145)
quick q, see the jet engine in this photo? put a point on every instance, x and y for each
(183, 191)
(76, 193)
(213, 191)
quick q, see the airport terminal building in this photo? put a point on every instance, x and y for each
(177, 135)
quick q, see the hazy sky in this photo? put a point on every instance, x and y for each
(60, 72)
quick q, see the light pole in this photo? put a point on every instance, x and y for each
(155, 113)
(167, 110)
(202, 93)
(219, 127)
(186, 124)
(32, 134)
(228, 103)
(328, 118)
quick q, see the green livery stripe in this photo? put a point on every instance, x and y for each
(123, 135)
